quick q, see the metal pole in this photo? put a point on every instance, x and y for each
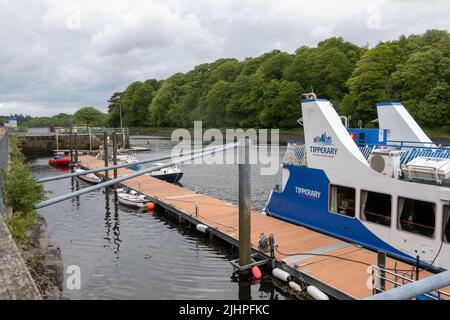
(381, 258)
(127, 177)
(114, 137)
(105, 152)
(71, 146)
(414, 289)
(244, 204)
(75, 137)
(417, 267)
(121, 127)
(124, 142)
(90, 139)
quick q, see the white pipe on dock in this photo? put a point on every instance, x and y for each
(414, 289)
(76, 174)
(128, 177)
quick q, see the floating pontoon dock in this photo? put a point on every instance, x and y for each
(340, 269)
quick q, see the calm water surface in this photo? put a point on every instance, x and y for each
(124, 254)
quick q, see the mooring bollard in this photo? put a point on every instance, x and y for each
(244, 204)
(114, 137)
(105, 152)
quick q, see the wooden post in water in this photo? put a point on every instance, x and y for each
(244, 204)
(57, 140)
(114, 137)
(71, 145)
(75, 137)
(105, 153)
(90, 139)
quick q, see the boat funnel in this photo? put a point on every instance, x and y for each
(401, 126)
(328, 144)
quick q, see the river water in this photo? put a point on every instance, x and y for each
(124, 254)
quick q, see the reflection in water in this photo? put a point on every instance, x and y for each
(267, 291)
(245, 288)
(113, 243)
(75, 186)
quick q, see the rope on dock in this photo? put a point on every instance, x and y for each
(334, 257)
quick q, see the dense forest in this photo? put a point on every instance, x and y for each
(265, 91)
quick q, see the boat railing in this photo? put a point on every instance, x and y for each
(384, 278)
(295, 154)
(411, 150)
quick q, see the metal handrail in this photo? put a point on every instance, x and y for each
(409, 280)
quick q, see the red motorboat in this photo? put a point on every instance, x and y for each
(59, 161)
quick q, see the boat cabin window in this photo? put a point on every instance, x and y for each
(376, 207)
(447, 224)
(416, 216)
(342, 200)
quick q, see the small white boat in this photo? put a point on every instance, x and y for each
(90, 177)
(131, 198)
(126, 157)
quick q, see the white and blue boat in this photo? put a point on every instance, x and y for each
(386, 189)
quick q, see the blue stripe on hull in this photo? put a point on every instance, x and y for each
(169, 177)
(312, 212)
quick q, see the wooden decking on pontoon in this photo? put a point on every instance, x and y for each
(347, 277)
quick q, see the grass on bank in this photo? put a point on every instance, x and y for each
(23, 192)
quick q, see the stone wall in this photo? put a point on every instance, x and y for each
(16, 282)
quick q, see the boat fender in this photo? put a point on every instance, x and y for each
(316, 293)
(282, 275)
(295, 286)
(256, 273)
(202, 228)
(150, 206)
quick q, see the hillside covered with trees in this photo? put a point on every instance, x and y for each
(265, 91)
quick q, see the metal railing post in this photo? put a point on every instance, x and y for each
(381, 261)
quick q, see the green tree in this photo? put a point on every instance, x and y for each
(371, 82)
(90, 116)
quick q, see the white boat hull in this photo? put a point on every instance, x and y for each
(131, 200)
(90, 177)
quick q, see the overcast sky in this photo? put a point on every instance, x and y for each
(58, 55)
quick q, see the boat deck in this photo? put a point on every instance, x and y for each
(340, 278)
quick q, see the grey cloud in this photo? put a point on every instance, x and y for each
(49, 65)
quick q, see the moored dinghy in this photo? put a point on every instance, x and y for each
(90, 177)
(131, 198)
